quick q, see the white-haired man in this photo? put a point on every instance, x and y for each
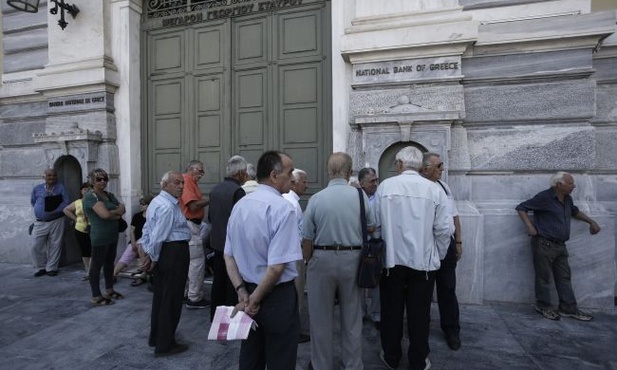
(223, 197)
(299, 183)
(553, 210)
(414, 221)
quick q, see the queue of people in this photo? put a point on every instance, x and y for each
(267, 251)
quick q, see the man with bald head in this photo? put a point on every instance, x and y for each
(553, 210)
(165, 241)
(332, 246)
(48, 201)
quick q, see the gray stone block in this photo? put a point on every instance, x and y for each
(20, 133)
(420, 98)
(533, 148)
(539, 63)
(606, 150)
(606, 68)
(606, 103)
(530, 101)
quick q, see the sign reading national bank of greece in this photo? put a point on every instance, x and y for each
(407, 70)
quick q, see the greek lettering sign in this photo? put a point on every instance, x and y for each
(407, 70)
(171, 13)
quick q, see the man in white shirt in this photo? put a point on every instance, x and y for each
(261, 250)
(299, 183)
(414, 221)
(445, 280)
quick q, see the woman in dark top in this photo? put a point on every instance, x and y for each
(103, 211)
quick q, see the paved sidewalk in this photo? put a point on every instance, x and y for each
(48, 323)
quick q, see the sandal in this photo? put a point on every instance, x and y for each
(102, 301)
(114, 295)
(137, 282)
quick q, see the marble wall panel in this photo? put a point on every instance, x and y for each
(533, 148)
(99, 120)
(470, 279)
(504, 66)
(420, 98)
(508, 266)
(24, 161)
(17, 112)
(508, 190)
(606, 68)
(606, 150)
(32, 39)
(606, 102)
(20, 133)
(530, 101)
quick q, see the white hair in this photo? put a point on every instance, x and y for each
(297, 173)
(410, 157)
(235, 164)
(558, 178)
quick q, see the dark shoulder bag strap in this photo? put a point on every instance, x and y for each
(443, 187)
(363, 216)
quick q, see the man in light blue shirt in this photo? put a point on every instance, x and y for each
(48, 201)
(165, 242)
(261, 250)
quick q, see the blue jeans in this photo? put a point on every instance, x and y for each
(550, 257)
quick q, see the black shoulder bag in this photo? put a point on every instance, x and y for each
(371, 260)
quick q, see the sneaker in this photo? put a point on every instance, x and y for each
(382, 356)
(428, 364)
(579, 315)
(547, 313)
(204, 303)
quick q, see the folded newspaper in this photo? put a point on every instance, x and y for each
(225, 327)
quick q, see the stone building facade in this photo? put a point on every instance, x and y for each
(508, 93)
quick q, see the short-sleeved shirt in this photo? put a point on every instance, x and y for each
(551, 217)
(42, 198)
(263, 231)
(294, 200)
(164, 223)
(190, 193)
(102, 232)
(332, 216)
(451, 202)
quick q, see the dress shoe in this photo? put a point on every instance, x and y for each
(52, 273)
(303, 338)
(453, 342)
(39, 273)
(175, 349)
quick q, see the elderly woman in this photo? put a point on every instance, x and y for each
(103, 211)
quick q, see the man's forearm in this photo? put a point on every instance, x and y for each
(265, 286)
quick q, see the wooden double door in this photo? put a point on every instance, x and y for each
(239, 86)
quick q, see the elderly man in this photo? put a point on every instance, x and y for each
(165, 242)
(261, 251)
(445, 280)
(416, 226)
(250, 185)
(223, 197)
(371, 307)
(48, 200)
(192, 203)
(553, 209)
(332, 245)
(299, 183)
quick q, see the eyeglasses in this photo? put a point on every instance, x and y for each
(439, 165)
(143, 203)
(99, 179)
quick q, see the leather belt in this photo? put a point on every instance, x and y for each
(553, 240)
(52, 219)
(338, 247)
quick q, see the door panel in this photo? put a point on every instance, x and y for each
(239, 86)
